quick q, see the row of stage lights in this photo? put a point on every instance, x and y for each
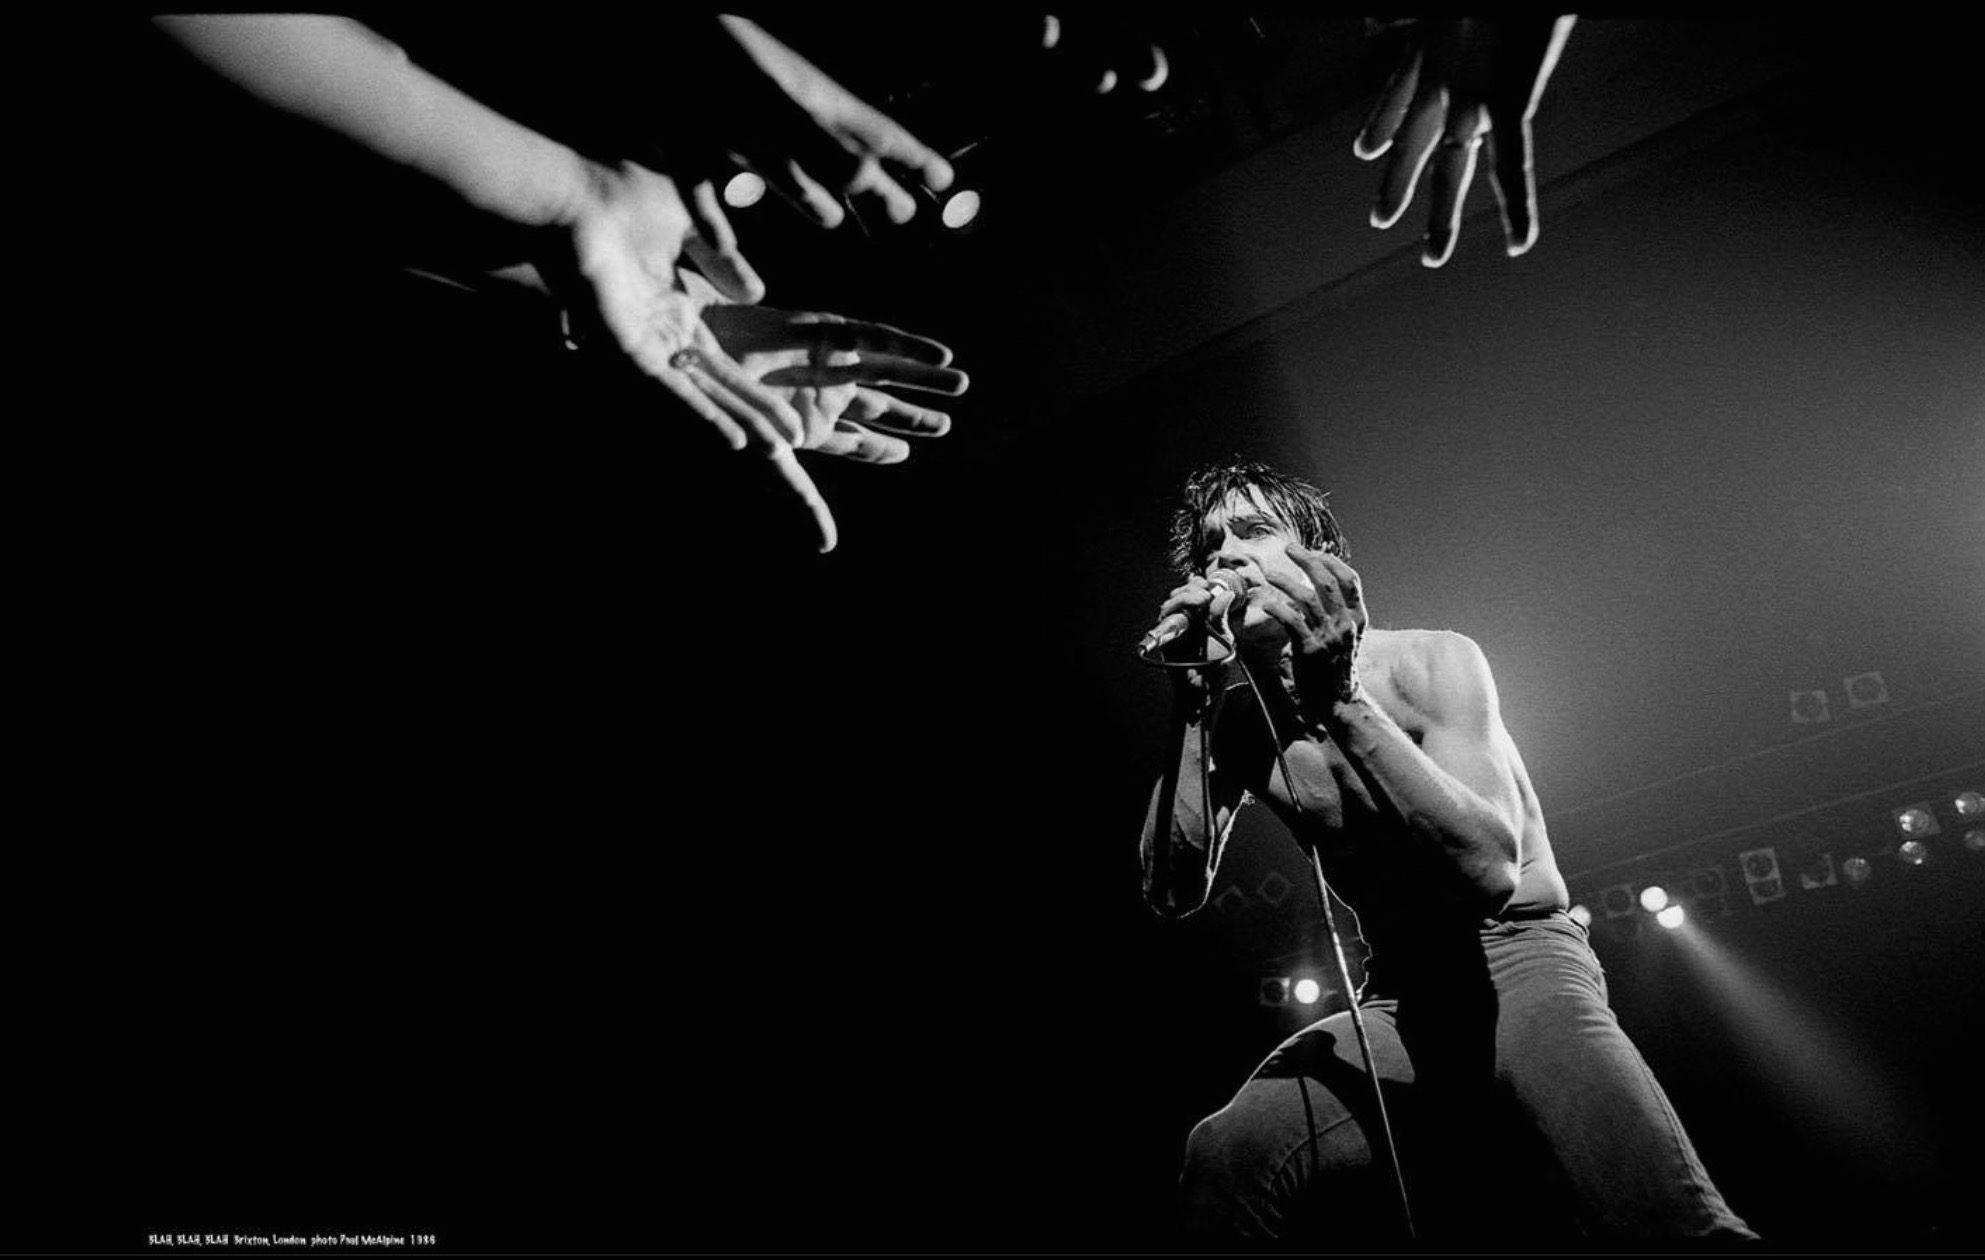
(1765, 880)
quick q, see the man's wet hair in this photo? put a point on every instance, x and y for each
(1297, 504)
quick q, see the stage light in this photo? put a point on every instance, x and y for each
(1617, 900)
(1670, 917)
(1581, 914)
(1653, 897)
(1912, 853)
(745, 189)
(1809, 707)
(1760, 868)
(1864, 690)
(1969, 805)
(961, 208)
(1307, 991)
(1817, 871)
(1916, 820)
(1974, 839)
(1856, 871)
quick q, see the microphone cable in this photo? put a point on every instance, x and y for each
(1324, 894)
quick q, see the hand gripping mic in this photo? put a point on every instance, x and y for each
(1179, 623)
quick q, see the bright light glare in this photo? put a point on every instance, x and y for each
(1581, 915)
(961, 209)
(1653, 897)
(1970, 805)
(745, 189)
(1670, 917)
(1308, 991)
(1913, 852)
(1916, 821)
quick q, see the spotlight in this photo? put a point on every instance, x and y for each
(1809, 707)
(1761, 874)
(1670, 918)
(1581, 914)
(745, 189)
(1915, 821)
(1307, 991)
(961, 209)
(1856, 871)
(1653, 898)
(1817, 871)
(1864, 690)
(1969, 805)
(1912, 853)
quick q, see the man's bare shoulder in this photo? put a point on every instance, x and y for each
(1441, 675)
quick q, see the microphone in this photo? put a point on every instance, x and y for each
(1176, 624)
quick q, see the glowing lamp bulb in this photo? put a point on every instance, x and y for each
(745, 189)
(1970, 805)
(1582, 915)
(1915, 822)
(1653, 898)
(961, 209)
(1308, 991)
(1670, 917)
(1912, 853)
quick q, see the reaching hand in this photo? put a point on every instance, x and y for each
(817, 142)
(829, 368)
(1461, 82)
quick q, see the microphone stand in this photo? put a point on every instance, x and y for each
(1160, 847)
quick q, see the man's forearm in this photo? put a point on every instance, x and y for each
(1432, 803)
(347, 78)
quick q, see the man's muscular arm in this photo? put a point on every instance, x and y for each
(1456, 789)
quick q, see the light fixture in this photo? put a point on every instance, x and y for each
(1618, 900)
(961, 208)
(1671, 917)
(1760, 867)
(1865, 690)
(1653, 898)
(1706, 888)
(1274, 991)
(1855, 871)
(1974, 839)
(1912, 853)
(1816, 871)
(745, 189)
(1969, 805)
(1809, 707)
(1915, 821)
(1307, 991)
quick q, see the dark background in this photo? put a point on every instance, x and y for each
(480, 813)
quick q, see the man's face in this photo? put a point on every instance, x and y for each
(1246, 536)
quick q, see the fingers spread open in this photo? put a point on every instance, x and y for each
(787, 466)
(1424, 123)
(1515, 183)
(1450, 172)
(1380, 128)
(893, 415)
(852, 441)
(713, 248)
